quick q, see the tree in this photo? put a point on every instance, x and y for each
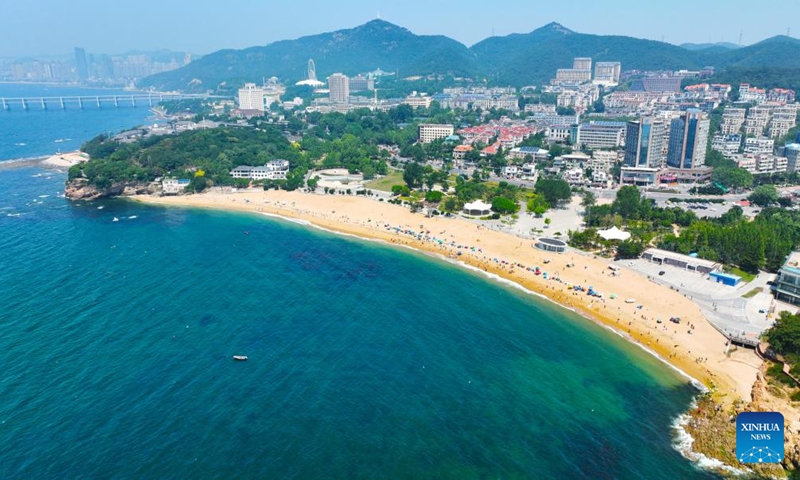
(629, 249)
(627, 202)
(589, 200)
(413, 174)
(784, 336)
(734, 178)
(764, 195)
(733, 215)
(504, 205)
(401, 113)
(400, 190)
(554, 190)
(451, 204)
(312, 182)
(716, 159)
(433, 196)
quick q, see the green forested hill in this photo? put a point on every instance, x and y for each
(516, 59)
(533, 58)
(376, 44)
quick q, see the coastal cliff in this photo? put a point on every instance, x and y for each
(710, 426)
(81, 189)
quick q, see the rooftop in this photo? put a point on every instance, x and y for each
(686, 258)
(792, 262)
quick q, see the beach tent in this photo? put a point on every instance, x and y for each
(614, 233)
(477, 208)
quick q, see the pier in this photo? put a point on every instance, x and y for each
(99, 101)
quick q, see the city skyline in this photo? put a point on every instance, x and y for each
(457, 20)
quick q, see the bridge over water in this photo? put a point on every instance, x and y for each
(97, 101)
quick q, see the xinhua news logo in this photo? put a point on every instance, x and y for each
(759, 437)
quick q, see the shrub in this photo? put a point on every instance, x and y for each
(433, 196)
(504, 205)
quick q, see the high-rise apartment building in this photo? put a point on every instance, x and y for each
(570, 75)
(82, 67)
(688, 140)
(339, 86)
(360, 83)
(643, 143)
(607, 73)
(251, 97)
(582, 63)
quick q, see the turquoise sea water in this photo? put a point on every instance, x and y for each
(38, 132)
(365, 361)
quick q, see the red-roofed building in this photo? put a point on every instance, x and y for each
(491, 149)
(460, 151)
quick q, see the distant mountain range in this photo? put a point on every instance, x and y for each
(516, 59)
(708, 46)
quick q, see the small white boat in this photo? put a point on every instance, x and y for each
(240, 358)
(132, 217)
(115, 219)
(101, 207)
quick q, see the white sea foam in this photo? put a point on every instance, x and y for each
(683, 442)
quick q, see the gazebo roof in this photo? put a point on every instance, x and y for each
(614, 233)
(477, 205)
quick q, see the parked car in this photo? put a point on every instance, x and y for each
(661, 273)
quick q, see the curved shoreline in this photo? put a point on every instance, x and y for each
(353, 216)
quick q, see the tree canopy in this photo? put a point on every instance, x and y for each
(554, 190)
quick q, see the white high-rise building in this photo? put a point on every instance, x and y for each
(429, 132)
(607, 73)
(251, 97)
(582, 63)
(339, 85)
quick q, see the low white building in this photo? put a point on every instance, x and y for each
(429, 132)
(601, 179)
(274, 170)
(528, 171)
(727, 145)
(535, 152)
(510, 171)
(574, 176)
(558, 133)
(759, 145)
(173, 186)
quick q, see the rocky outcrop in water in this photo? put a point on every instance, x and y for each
(80, 189)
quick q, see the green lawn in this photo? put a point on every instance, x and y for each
(746, 277)
(752, 293)
(384, 184)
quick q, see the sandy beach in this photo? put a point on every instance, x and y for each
(693, 346)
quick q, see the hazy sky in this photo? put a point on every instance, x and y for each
(34, 27)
